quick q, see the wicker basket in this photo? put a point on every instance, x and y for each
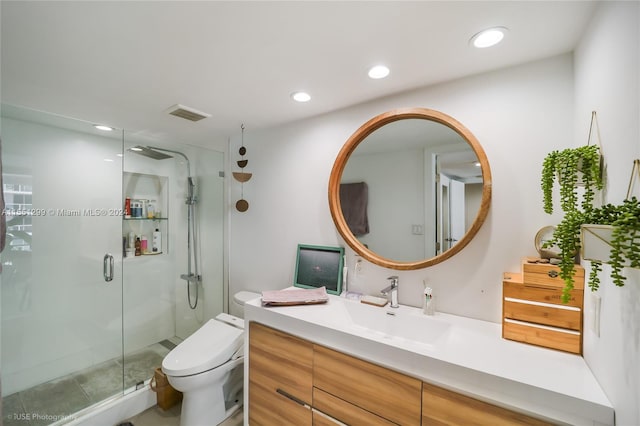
(167, 396)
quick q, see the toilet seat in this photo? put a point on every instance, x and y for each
(210, 346)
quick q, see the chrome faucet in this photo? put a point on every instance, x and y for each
(393, 290)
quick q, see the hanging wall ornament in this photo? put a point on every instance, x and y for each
(242, 205)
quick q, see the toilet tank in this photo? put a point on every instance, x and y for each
(236, 307)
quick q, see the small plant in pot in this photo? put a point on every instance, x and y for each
(571, 167)
(625, 241)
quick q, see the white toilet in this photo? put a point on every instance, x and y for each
(207, 368)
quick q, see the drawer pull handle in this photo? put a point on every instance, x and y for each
(293, 398)
(553, 274)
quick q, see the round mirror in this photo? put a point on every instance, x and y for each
(410, 188)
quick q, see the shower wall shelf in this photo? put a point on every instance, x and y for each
(140, 186)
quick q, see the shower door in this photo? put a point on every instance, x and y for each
(61, 281)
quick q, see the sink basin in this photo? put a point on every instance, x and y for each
(403, 323)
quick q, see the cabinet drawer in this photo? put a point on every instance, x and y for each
(444, 407)
(535, 314)
(269, 408)
(520, 290)
(560, 316)
(280, 361)
(546, 274)
(386, 393)
(343, 411)
(549, 337)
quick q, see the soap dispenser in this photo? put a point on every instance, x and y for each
(429, 307)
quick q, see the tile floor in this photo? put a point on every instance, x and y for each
(155, 416)
(69, 394)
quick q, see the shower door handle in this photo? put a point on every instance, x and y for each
(107, 267)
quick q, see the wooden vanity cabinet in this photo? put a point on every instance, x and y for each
(393, 397)
(295, 382)
(289, 375)
(280, 378)
(444, 407)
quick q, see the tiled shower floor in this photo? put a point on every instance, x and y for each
(48, 402)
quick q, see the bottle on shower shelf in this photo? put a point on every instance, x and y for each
(127, 208)
(156, 241)
(151, 209)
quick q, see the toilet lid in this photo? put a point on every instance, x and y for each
(211, 345)
(243, 297)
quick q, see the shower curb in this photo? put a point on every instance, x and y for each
(116, 410)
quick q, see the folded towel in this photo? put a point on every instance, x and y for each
(296, 296)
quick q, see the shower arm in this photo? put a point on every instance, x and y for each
(191, 198)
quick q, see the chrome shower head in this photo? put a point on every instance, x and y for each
(149, 152)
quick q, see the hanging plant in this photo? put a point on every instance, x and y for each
(624, 219)
(571, 167)
(625, 242)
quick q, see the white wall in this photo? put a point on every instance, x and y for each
(518, 115)
(607, 80)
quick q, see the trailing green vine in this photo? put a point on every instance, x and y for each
(594, 276)
(564, 166)
(625, 242)
(567, 237)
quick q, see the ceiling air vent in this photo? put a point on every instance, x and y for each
(187, 113)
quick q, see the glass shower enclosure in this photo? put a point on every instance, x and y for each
(61, 267)
(81, 323)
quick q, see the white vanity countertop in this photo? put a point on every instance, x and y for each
(470, 358)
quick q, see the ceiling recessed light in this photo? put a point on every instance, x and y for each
(103, 128)
(379, 71)
(489, 37)
(135, 148)
(301, 96)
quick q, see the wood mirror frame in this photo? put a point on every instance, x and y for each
(360, 135)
